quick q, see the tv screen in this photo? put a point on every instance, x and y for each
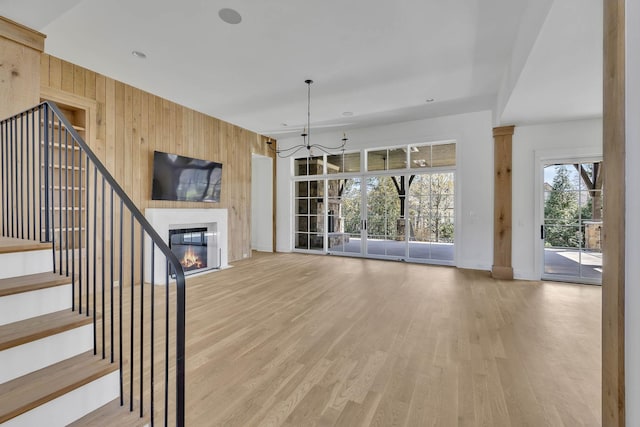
(183, 178)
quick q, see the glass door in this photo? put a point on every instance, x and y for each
(344, 216)
(572, 223)
(393, 203)
(309, 215)
(384, 224)
(431, 217)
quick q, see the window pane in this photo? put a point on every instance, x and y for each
(302, 189)
(420, 156)
(316, 206)
(300, 167)
(302, 241)
(377, 160)
(316, 165)
(443, 155)
(302, 206)
(309, 166)
(432, 216)
(593, 235)
(316, 224)
(352, 162)
(316, 241)
(316, 188)
(348, 162)
(335, 163)
(397, 158)
(302, 223)
(559, 235)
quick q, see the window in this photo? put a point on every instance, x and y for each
(346, 162)
(404, 210)
(309, 166)
(388, 159)
(309, 211)
(429, 156)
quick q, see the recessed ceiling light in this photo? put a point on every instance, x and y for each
(430, 99)
(347, 114)
(229, 16)
(139, 54)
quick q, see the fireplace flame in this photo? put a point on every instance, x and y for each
(190, 260)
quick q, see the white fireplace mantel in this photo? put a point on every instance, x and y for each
(165, 219)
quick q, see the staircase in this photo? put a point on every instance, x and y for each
(85, 337)
(49, 374)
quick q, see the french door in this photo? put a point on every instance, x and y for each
(402, 217)
(571, 228)
(393, 203)
(345, 224)
(430, 210)
(384, 232)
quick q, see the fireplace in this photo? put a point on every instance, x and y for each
(194, 247)
(188, 232)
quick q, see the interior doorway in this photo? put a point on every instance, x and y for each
(261, 203)
(571, 227)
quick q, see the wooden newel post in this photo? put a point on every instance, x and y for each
(502, 268)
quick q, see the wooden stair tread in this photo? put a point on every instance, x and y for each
(35, 328)
(112, 414)
(29, 391)
(10, 245)
(31, 282)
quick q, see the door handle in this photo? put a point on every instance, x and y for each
(364, 224)
(542, 232)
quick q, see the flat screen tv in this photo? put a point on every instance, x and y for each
(185, 179)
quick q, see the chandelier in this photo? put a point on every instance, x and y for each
(306, 136)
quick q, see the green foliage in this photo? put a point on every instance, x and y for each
(586, 211)
(351, 206)
(383, 208)
(431, 207)
(562, 212)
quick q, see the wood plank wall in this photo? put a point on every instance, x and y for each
(20, 49)
(129, 124)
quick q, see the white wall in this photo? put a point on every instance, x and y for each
(261, 203)
(528, 31)
(474, 185)
(530, 145)
(632, 266)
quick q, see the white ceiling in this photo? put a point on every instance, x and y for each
(562, 78)
(379, 59)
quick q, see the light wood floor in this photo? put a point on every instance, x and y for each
(297, 340)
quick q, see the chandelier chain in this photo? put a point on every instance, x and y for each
(306, 136)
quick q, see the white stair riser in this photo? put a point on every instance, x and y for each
(14, 308)
(29, 357)
(71, 406)
(22, 263)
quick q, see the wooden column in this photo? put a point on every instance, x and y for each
(20, 50)
(613, 241)
(502, 268)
